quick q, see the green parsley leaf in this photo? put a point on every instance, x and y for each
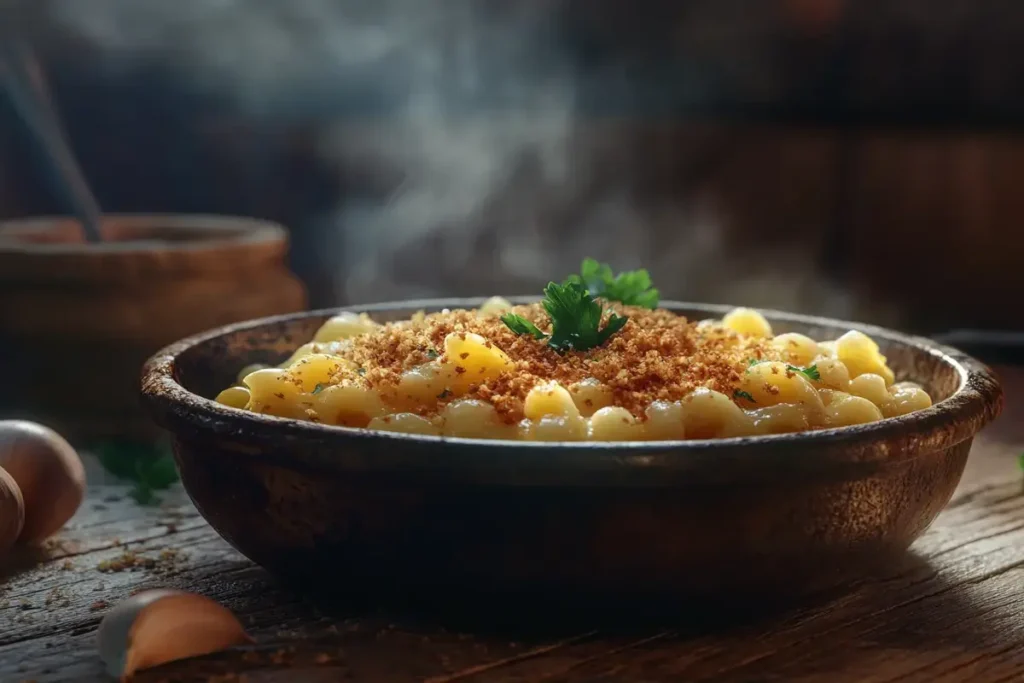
(317, 389)
(143, 495)
(521, 325)
(810, 373)
(153, 475)
(594, 276)
(755, 361)
(148, 468)
(576, 318)
(1020, 461)
(432, 354)
(742, 394)
(445, 394)
(361, 372)
(633, 288)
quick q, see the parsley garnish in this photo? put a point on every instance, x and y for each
(149, 468)
(754, 361)
(317, 389)
(361, 372)
(521, 325)
(444, 394)
(633, 288)
(810, 373)
(575, 319)
(432, 354)
(1020, 461)
(742, 394)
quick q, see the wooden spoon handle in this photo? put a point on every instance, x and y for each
(22, 77)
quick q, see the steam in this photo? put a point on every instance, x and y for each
(457, 95)
(471, 108)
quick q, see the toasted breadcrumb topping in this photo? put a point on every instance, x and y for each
(657, 355)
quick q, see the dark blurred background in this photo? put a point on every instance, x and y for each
(858, 159)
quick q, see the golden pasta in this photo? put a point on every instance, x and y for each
(554, 428)
(796, 348)
(590, 396)
(405, 423)
(614, 424)
(664, 421)
(473, 419)
(344, 326)
(638, 374)
(236, 397)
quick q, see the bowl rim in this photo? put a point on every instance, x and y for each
(891, 441)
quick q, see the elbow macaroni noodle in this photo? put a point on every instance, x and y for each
(852, 385)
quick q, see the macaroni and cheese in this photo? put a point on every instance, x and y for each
(656, 376)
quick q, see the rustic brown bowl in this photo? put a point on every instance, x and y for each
(444, 517)
(77, 320)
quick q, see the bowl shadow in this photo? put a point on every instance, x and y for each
(758, 630)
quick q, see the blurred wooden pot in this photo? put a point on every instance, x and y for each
(78, 320)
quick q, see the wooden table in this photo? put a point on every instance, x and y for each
(953, 612)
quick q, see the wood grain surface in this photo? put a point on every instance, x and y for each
(952, 611)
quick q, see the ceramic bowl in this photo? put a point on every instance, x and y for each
(383, 513)
(78, 319)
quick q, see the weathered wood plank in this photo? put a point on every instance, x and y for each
(959, 582)
(952, 611)
(52, 600)
(950, 606)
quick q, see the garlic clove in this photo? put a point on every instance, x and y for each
(12, 510)
(48, 471)
(179, 627)
(159, 626)
(112, 636)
